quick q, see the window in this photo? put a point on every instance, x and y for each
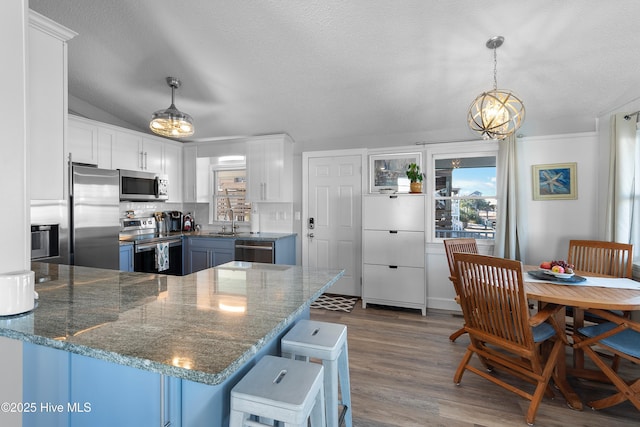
(229, 191)
(465, 197)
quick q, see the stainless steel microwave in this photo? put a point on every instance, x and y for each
(139, 186)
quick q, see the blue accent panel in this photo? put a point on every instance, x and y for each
(543, 332)
(118, 395)
(286, 250)
(45, 382)
(627, 341)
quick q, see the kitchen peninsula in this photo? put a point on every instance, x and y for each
(118, 348)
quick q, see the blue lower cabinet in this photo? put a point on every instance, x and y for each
(126, 257)
(45, 386)
(203, 253)
(115, 395)
(73, 390)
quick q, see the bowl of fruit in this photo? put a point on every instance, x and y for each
(559, 268)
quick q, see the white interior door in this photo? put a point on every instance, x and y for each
(334, 205)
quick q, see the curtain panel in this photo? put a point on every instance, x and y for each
(623, 204)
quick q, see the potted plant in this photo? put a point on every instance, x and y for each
(416, 177)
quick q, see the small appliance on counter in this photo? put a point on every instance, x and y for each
(174, 220)
(188, 222)
(17, 294)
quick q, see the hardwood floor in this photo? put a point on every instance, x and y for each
(402, 365)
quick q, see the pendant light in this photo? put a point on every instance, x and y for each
(498, 113)
(172, 122)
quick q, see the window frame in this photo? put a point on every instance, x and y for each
(213, 196)
(460, 150)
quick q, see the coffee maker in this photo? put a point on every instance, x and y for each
(174, 220)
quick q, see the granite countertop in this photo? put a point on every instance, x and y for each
(240, 236)
(200, 327)
(126, 239)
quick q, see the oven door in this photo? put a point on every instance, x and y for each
(144, 258)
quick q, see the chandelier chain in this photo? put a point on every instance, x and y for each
(495, 69)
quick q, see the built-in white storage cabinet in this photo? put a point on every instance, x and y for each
(270, 168)
(113, 147)
(393, 251)
(47, 106)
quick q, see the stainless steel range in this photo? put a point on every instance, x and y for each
(142, 232)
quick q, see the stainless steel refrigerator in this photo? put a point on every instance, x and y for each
(94, 217)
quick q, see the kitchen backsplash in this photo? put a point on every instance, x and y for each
(142, 209)
(274, 217)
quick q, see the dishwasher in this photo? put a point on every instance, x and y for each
(255, 251)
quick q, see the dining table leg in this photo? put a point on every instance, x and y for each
(578, 354)
(560, 376)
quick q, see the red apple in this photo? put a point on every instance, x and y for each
(546, 265)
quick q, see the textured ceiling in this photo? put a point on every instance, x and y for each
(335, 69)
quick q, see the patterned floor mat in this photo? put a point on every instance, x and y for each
(335, 302)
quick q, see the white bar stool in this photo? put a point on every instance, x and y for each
(328, 342)
(280, 389)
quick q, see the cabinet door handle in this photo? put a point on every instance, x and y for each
(393, 266)
(141, 161)
(145, 160)
(393, 231)
(393, 197)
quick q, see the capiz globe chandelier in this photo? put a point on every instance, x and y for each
(172, 122)
(498, 113)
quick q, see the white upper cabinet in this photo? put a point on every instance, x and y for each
(152, 155)
(173, 169)
(270, 168)
(47, 106)
(112, 147)
(89, 143)
(82, 141)
(135, 151)
(189, 155)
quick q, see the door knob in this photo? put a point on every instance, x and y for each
(310, 235)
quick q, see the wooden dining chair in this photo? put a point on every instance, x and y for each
(502, 332)
(621, 337)
(466, 245)
(600, 257)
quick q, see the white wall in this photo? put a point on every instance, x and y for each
(550, 224)
(14, 176)
(13, 148)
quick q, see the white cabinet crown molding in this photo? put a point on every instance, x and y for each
(50, 27)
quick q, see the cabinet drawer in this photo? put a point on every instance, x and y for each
(402, 284)
(404, 212)
(405, 248)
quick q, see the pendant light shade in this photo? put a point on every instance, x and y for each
(172, 122)
(497, 113)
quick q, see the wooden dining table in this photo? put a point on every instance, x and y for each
(581, 298)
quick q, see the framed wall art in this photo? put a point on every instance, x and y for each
(386, 169)
(555, 182)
